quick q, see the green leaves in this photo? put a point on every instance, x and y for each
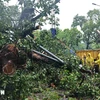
(88, 26)
(78, 21)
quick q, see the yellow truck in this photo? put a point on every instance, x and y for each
(94, 53)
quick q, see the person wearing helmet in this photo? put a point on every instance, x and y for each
(89, 60)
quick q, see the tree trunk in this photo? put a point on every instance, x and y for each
(87, 46)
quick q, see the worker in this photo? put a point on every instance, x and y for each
(29, 31)
(84, 59)
(98, 61)
(89, 60)
(53, 31)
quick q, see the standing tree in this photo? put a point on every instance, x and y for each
(89, 26)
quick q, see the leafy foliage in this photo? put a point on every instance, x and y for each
(38, 76)
(89, 26)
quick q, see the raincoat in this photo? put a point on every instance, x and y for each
(89, 60)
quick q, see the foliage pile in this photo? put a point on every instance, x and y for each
(39, 77)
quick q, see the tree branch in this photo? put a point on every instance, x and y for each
(43, 12)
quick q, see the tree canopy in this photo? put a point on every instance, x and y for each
(89, 25)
